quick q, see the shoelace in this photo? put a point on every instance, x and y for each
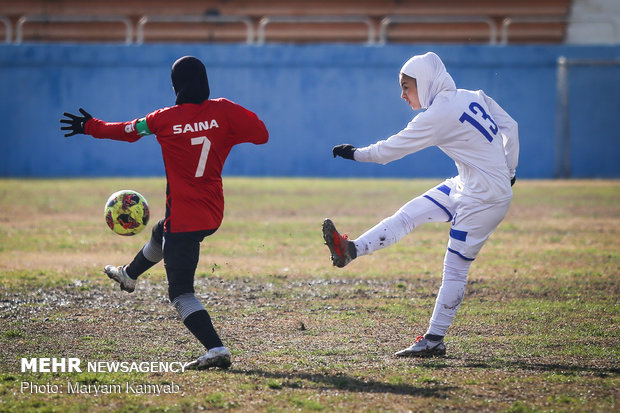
(343, 243)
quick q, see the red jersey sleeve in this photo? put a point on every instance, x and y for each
(245, 126)
(119, 131)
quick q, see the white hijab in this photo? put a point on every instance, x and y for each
(431, 76)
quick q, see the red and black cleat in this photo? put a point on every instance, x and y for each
(342, 250)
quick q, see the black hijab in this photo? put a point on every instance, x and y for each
(189, 80)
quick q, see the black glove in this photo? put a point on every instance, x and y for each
(513, 180)
(345, 151)
(76, 123)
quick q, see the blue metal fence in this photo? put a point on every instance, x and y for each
(310, 97)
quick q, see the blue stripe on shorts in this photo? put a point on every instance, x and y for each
(440, 206)
(458, 235)
(444, 188)
(460, 255)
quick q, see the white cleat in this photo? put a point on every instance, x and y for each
(119, 275)
(423, 348)
(216, 357)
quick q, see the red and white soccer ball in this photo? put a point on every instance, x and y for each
(127, 212)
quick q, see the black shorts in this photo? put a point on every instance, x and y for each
(181, 253)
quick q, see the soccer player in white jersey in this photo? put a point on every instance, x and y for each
(482, 139)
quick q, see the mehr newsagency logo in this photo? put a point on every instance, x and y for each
(76, 365)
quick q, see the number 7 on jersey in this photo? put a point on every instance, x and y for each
(206, 146)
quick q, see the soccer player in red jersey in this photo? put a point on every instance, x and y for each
(196, 135)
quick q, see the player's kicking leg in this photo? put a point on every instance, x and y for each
(148, 256)
(414, 213)
(342, 250)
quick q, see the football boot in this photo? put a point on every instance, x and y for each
(423, 347)
(216, 357)
(119, 275)
(342, 250)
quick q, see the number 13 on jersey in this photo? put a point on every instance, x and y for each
(204, 154)
(479, 112)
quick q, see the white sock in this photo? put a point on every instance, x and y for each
(384, 234)
(389, 231)
(450, 295)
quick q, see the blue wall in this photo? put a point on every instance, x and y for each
(310, 97)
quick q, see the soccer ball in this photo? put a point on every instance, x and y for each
(126, 212)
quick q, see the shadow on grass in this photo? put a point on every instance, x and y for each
(566, 369)
(346, 383)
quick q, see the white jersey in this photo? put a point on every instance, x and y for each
(469, 127)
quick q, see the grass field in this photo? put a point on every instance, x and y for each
(538, 330)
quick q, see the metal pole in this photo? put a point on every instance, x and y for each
(562, 135)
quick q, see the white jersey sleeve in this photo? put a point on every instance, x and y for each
(509, 129)
(415, 137)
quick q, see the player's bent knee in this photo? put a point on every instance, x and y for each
(157, 233)
(455, 268)
(177, 289)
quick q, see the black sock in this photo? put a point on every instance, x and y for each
(433, 337)
(199, 323)
(352, 249)
(138, 266)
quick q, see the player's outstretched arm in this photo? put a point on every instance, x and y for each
(345, 151)
(76, 124)
(129, 131)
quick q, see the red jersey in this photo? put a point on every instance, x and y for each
(195, 140)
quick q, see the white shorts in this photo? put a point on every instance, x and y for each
(472, 221)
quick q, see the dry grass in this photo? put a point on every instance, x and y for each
(538, 330)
